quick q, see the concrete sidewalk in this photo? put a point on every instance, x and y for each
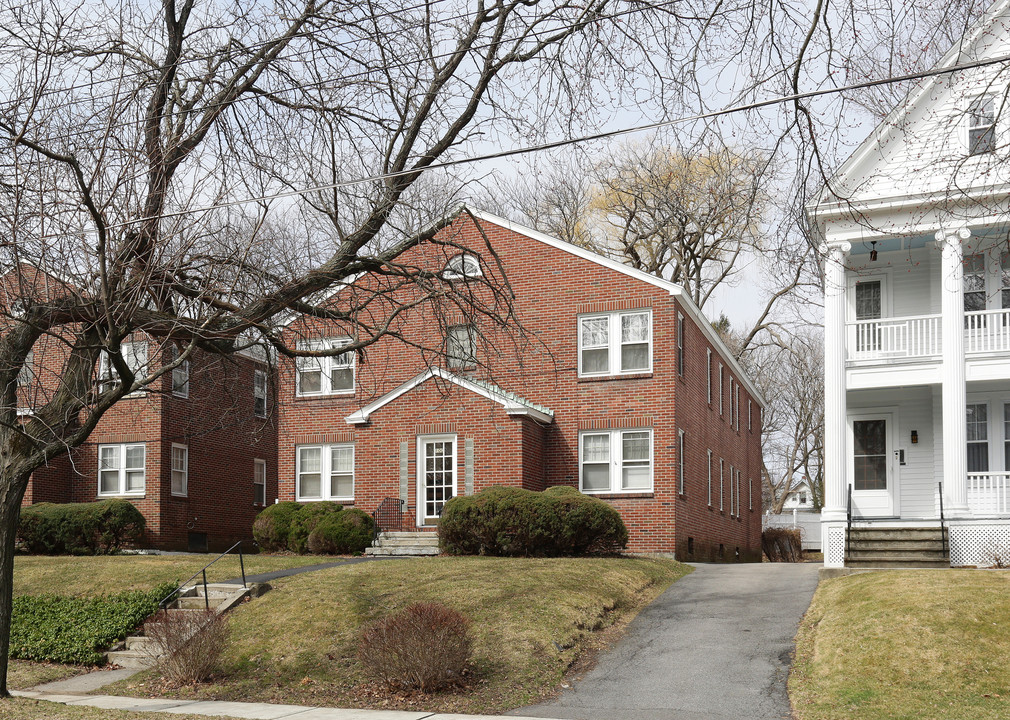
(716, 646)
(256, 711)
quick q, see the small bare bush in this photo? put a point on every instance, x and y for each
(189, 643)
(423, 647)
(782, 544)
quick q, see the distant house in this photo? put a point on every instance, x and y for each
(625, 392)
(799, 498)
(917, 318)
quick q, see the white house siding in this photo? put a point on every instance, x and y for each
(912, 294)
(913, 410)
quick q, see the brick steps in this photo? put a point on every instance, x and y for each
(896, 548)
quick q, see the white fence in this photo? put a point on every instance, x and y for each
(808, 522)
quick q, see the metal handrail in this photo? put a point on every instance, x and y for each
(943, 527)
(203, 571)
(388, 519)
(848, 526)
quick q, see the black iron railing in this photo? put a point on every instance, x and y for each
(388, 516)
(168, 599)
(848, 526)
(943, 527)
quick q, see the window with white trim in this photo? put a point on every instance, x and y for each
(710, 478)
(750, 416)
(680, 344)
(259, 393)
(721, 375)
(708, 371)
(738, 487)
(731, 512)
(750, 494)
(977, 436)
(325, 472)
(982, 125)
(680, 460)
(722, 482)
(326, 375)
(615, 343)
(731, 401)
(259, 482)
(27, 372)
(180, 470)
(180, 378)
(121, 469)
(135, 355)
(614, 461)
(736, 405)
(461, 346)
(461, 267)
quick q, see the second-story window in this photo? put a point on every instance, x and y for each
(982, 125)
(327, 375)
(615, 343)
(259, 393)
(180, 378)
(460, 346)
(680, 345)
(27, 372)
(135, 355)
(974, 283)
(462, 267)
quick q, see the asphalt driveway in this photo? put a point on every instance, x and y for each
(715, 646)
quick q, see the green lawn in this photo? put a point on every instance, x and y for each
(531, 619)
(107, 574)
(899, 645)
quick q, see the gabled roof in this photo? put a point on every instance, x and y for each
(513, 404)
(896, 118)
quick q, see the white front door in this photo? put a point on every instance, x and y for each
(872, 468)
(436, 475)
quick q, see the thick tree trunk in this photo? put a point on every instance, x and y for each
(11, 492)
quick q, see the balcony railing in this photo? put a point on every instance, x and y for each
(905, 337)
(989, 493)
(918, 336)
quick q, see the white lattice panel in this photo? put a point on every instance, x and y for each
(834, 547)
(979, 545)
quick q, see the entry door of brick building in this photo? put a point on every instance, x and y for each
(436, 472)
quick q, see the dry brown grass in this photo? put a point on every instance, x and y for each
(922, 644)
(531, 618)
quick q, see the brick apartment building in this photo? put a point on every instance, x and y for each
(618, 386)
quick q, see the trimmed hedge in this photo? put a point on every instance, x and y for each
(304, 522)
(272, 525)
(54, 628)
(95, 528)
(346, 532)
(512, 522)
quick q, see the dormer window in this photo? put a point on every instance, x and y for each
(981, 125)
(461, 267)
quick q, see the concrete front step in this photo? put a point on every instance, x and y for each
(905, 545)
(405, 550)
(914, 534)
(132, 658)
(937, 555)
(400, 542)
(908, 563)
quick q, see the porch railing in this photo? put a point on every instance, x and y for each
(987, 331)
(989, 493)
(903, 337)
(388, 516)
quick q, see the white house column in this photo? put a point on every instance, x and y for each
(955, 466)
(834, 382)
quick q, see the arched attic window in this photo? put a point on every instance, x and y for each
(461, 267)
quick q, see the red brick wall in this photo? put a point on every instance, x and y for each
(552, 287)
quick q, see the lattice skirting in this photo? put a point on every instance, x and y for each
(834, 546)
(979, 544)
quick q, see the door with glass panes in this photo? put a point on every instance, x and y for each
(436, 475)
(872, 467)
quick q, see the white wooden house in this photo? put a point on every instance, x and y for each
(915, 228)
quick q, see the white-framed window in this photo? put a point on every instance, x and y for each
(327, 375)
(750, 415)
(750, 494)
(708, 372)
(324, 472)
(259, 482)
(736, 404)
(461, 267)
(710, 478)
(121, 469)
(680, 460)
(615, 461)
(135, 355)
(615, 343)
(974, 283)
(982, 125)
(738, 490)
(731, 401)
(461, 346)
(680, 344)
(180, 379)
(259, 393)
(721, 376)
(27, 372)
(977, 436)
(180, 470)
(722, 482)
(731, 491)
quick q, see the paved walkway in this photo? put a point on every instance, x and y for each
(716, 646)
(256, 711)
